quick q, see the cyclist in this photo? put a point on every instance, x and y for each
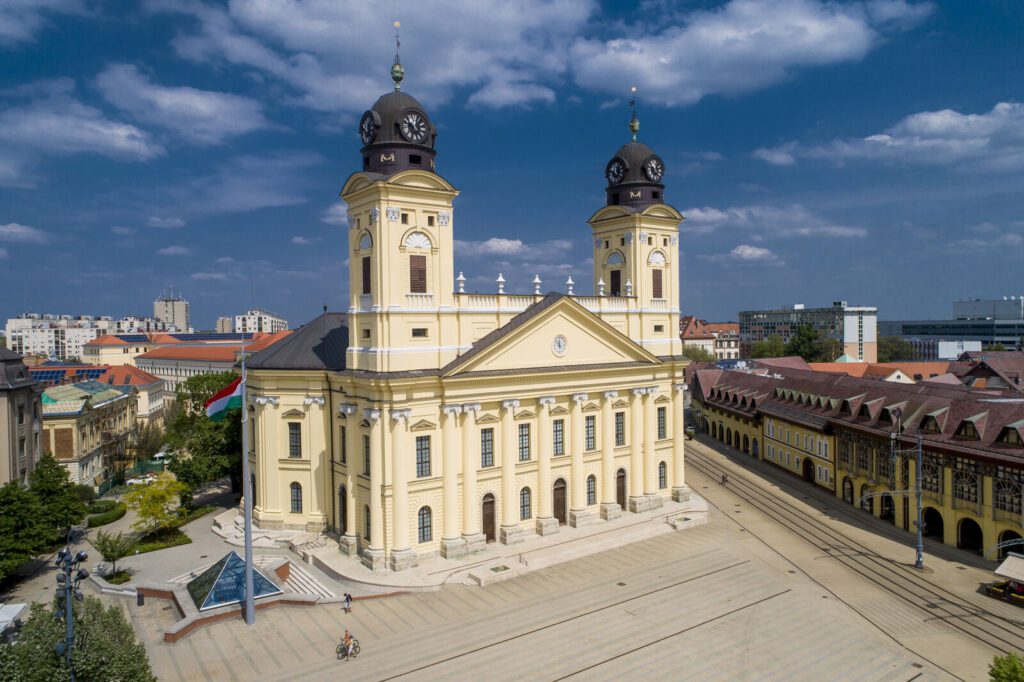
(346, 642)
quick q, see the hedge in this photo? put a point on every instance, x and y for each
(103, 519)
(102, 506)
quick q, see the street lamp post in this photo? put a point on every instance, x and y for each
(917, 450)
(70, 575)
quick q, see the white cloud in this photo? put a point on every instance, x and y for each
(200, 116)
(122, 230)
(225, 259)
(208, 276)
(14, 232)
(994, 139)
(745, 254)
(765, 221)
(513, 248)
(57, 123)
(174, 251)
(995, 239)
(166, 222)
(336, 214)
(20, 20)
(299, 240)
(740, 47)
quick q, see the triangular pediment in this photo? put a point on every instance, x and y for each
(558, 411)
(620, 404)
(423, 425)
(664, 399)
(591, 407)
(525, 414)
(487, 419)
(293, 414)
(557, 334)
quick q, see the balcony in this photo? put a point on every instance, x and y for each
(419, 301)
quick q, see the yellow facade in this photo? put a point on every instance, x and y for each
(801, 450)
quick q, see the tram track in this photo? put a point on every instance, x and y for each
(991, 629)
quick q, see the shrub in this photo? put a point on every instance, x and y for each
(102, 506)
(119, 578)
(161, 539)
(97, 520)
(86, 493)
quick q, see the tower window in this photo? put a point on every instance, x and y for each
(366, 333)
(656, 288)
(416, 159)
(616, 277)
(419, 333)
(664, 242)
(405, 218)
(622, 241)
(656, 195)
(430, 221)
(366, 274)
(606, 243)
(650, 241)
(615, 199)
(418, 274)
(659, 329)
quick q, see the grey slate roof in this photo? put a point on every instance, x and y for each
(320, 345)
(13, 373)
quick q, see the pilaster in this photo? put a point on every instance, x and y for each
(547, 524)
(510, 532)
(471, 532)
(373, 556)
(680, 491)
(609, 507)
(402, 555)
(452, 544)
(579, 515)
(637, 501)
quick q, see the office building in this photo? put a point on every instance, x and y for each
(173, 311)
(854, 327)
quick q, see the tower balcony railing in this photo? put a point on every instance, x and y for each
(365, 301)
(659, 304)
(424, 301)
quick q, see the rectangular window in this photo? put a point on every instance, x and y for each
(661, 423)
(419, 333)
(430, 221)
(405, 218)
(344, 446)
(589, 427)
(524, 442)
(294, 439)
(616, 287)
(366, 456)
(366, 274)
(656, 289)
(418, 274)
(620, 429)
(486, 448)
(659, 329)
(558, 436)
(422, 456)
(366, 333)
(21, 414)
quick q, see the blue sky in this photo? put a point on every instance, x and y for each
(869, 150)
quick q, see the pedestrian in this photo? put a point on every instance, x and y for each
(348, 603)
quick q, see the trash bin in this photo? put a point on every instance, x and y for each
(140, 599)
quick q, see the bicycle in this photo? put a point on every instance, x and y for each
(352, 652)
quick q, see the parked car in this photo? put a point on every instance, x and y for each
(690, 432)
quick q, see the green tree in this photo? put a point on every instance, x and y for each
(772, 347)
(106, 649)
(698, 354)
(156, 503)
(804, 343)
(827, 350)
(148, 439)
(207, 450)
(994, 347)
(1009, 668)
(895, 349)
(113, 547)
(22, 533)
(61, 506)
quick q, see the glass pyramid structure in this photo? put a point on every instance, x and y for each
(224, 583)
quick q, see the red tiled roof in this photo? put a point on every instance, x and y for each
(124, 375)
(107, 340)
(853, 369)
(222, 352)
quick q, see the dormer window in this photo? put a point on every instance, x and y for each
(1011, 436)
(929, 425)
(967, 430)
(865, 412)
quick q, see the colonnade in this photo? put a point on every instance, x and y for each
(460, 430)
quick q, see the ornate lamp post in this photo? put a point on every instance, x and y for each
(70, 575)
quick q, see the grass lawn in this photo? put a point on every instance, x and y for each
(119, 578)
(161, 539)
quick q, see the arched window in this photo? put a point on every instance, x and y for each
(662, 475)
(525, 508)
(366, 522)
(591, 490)
(365, 242)
(296, 498)
(423, 518)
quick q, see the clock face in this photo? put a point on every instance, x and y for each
(559, 345)
(414, 127)
(367, 128)
(615, 171)
(654, 168)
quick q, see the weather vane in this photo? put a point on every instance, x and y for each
(397, 72)
(634, 122)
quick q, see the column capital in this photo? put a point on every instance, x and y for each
(371, 414)
(639, 391)
(451, 409)
(579, 397)
(546, 401)
(651, 390)
(470, 407)
(266, 400)
(681, 387)
(611, 394)
(313, 400)
(347, 409)
(510, 404)
(400, 414)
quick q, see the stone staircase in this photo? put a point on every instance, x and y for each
(230, 526)
(300, 580)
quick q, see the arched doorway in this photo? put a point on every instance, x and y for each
(736, 440)
(558, 501)
(808, 470)
(867, 503)
(487, 514)
(969, 536)
(728, 436)
(1007, 536)
(848, 490)
(713, 429)
(932, 520)
(342, 510)
(754, 450)
(746, 444)
(620, 488)
(888, 509)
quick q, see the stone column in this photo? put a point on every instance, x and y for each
(578, 514)
(650, 455)
(680, 491)
(547, 524)
(452, 544)
(471, 531)
(637, 501)
(510, 533)
(349, 543)
(610, 509)
(402, 554)
(373, 556)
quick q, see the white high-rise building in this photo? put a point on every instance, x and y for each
(257, 320)
(173, 311)
(55, 336)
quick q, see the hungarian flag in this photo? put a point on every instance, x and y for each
(229, 397)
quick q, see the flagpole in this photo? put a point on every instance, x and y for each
(250, 600)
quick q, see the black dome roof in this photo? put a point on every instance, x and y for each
(634, 154)
(390, 108)
(396, 132)
(636, 186)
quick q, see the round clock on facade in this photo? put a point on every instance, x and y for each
(414, 126)
(615, 171)
(559, 345)
(654, 168)
(368, 127)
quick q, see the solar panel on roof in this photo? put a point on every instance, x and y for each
(133, 338)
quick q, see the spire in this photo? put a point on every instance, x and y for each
(397, 72)
(634, 122)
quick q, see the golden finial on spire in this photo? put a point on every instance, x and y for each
(397, 71)
(634, 122)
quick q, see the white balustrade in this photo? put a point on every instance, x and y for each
(419, 300)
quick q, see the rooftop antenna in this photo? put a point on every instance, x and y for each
(397, 72)
(634, 122)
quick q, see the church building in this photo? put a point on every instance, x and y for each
(432, 420)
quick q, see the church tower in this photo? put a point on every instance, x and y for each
(400, 246)
(636, 243)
